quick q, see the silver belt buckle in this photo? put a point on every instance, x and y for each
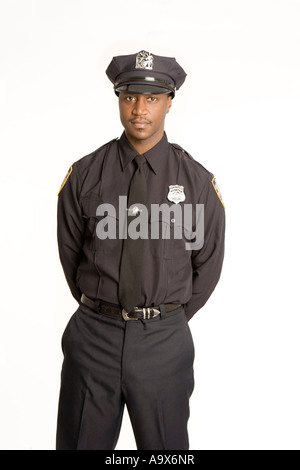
(146, 313)
(156, 312)
(125, 315)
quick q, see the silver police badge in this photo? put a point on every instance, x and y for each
(176, 193)
(144, 60)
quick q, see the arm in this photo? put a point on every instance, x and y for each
(207, 262)
(70, 229)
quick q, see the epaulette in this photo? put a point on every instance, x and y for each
(177, 147)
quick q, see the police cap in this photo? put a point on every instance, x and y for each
(145, 73)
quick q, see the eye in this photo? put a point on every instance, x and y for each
(152, 99)
(129, 98)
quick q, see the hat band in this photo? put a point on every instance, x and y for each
(129, 80)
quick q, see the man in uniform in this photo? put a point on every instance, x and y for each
(140, 263)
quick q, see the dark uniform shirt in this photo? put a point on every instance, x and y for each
(171, 273)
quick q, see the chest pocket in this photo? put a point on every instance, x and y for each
(102, 228)
(176, 242)
(168, 239)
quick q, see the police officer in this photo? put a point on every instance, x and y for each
(141, 241)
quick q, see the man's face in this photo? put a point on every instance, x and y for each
(143, 116)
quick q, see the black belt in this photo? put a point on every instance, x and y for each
(137, 313)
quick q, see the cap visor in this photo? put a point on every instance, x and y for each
(144, 89)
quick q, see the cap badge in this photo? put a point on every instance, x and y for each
(144, 60)
(176, 193)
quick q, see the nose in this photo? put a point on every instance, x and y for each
(140, 108)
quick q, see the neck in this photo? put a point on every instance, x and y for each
(144, 145)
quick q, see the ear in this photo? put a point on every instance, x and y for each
(169, 104)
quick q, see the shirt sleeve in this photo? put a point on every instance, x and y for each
(70, 229)
(207, 262)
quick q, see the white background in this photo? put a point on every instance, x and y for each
(238, 114)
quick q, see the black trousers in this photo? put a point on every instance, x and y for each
(109, 362)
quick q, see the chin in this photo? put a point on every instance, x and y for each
(139, 134)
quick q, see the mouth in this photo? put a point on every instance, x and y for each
(139, 124)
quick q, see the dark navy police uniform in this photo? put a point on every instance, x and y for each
(143, 358)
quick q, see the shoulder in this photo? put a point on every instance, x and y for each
(192, 165)
(93, 158)
(86, 172)
(197, 175)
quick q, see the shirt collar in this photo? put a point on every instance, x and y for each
(155, 156)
